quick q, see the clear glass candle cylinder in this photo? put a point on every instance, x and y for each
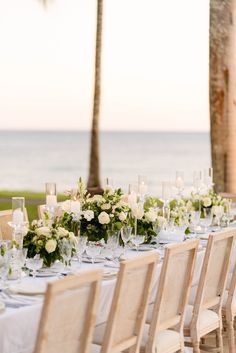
(18, 205)
(51, 194)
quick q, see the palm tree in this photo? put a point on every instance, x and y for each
(222, 91)
(94, 167)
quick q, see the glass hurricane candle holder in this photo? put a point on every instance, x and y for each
(51, 194)
(18, 206)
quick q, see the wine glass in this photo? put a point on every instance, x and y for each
(137, 240)
(113, 242)
(194, 219)
(206, 220)
(34, 264)
(218, 212)
(81, 246)
(93, 249)
(197, 180)
(65, 247)
(126, 233)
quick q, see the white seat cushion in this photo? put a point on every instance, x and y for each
(95, 348)
(166, 340)
(99, 333)
(207, 318)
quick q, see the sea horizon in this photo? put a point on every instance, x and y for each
(29, 158)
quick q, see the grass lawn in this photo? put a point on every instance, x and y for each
(32, 200)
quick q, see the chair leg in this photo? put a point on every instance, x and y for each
(219, 340)
(196, 347)
(230, 334)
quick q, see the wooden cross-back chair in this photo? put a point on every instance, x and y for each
(163, 332)
(123, 329)
(69, 313)
(5, 229)
(205, 314)
(229, 310)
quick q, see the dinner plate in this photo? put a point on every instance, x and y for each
(29, 288)
(89, 260)
(46, 273)
(144, 248)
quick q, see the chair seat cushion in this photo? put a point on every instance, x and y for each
(95, 348)
(99, 333)
(207, 318)
(166, 340)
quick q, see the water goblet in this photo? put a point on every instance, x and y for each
(206, 220)
(137, 240)
(65, 247)
(179, 182)
(34, 264)
(194, 220)
(218, 212)
(113, 242)
(4, 265)
(93, 249)
(126, 233)
(81, 246)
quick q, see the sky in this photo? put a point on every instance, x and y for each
(154, 65)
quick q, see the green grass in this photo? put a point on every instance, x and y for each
(32, 200)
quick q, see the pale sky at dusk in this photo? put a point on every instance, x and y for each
(154, 64)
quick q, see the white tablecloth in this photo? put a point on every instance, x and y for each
(18, 327)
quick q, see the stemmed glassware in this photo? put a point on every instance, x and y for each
(35, 263)
(218, 213)
(137, 240)
(4, 264)
(113, 242)
(194, 219)
(126, 234)
(93, 249)
(66, 252)
(206, 220)
(81, 246)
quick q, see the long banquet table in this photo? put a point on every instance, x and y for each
(19, 326)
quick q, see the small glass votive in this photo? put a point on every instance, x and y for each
(18, 206)
(51, 194)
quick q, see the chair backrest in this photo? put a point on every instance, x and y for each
(214, 273)
(5, 229)
(43, 208)
(69, 313)
(173, 290)
(230, 306)
(129, 305)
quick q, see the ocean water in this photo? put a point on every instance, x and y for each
(28, 159)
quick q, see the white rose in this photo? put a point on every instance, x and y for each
(43, 231)
(151, 215)
(66, 206)
(88, 215)
(51, 245)
(137, 211)
(161, 221)
(206, 201)
(104, 218)
(62, 232)
(106, 206)
(122, 216)
(98, 198)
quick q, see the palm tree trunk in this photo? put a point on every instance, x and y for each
(94, 167)
(222, 92)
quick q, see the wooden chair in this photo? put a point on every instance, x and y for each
(229, 311)
(164, 331)
(5, 229)
(205, 315)
(123, 330)
(42, 209)
(69, 314)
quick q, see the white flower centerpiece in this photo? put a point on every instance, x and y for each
(46, 241)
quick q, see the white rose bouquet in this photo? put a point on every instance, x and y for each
(46, 242)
